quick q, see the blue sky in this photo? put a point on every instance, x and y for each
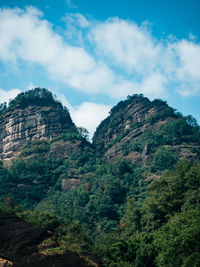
(93, 53)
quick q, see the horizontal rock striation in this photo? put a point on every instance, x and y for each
(19, 125)
(130, 122)
(128, 118)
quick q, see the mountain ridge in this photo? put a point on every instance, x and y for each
(119, 199)
(31, 115)
(35, 114)
(136, 117)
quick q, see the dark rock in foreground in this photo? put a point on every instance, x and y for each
(19, 244)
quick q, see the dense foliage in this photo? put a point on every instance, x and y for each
(44, 100)
(126, 214)
(161, 229)
(38, 96)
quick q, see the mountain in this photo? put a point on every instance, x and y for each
(130, 198)
(137, 128)
(37, 136)
(32, 115)
(134, 130)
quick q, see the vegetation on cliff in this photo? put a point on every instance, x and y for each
(161, 228)
(32, 115)
(126, 212)
(38, 96)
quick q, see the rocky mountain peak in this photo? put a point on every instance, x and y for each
(34, 114)
(129, 115)
(137, 127)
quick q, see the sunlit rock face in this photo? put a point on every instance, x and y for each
(126, 132)
(18, 125)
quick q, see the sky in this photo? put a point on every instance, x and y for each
(93, 53)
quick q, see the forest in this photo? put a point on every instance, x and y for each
(123, 213)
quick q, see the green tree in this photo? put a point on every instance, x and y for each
(163, 159)
(178, 241)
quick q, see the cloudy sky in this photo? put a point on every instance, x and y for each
(93, 53)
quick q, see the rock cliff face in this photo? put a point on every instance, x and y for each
(121, 135)
(36, 115)
(18, 125)
(130, 118)
(64, 149)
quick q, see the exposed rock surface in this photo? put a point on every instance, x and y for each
(128, 122)
(19, 125)
(20, 245)
(64, 149)
(70, 183)
(5, 262)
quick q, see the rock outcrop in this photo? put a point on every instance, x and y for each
(21, 246)
(129, 121)
(70, 183)
(64, 149)
(22, 123)
(127, 125)
(129, 118)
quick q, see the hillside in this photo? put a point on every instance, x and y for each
(138, 128)
(26, 244)
(125, 199)
(42, 147)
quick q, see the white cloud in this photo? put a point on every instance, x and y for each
(31, 86)
(87, 115)
(116, 58)
(77, 19)
(155, 65)
(76, 27)
(154, 85)
(187, 72)
(126, 44)
(37, 43)
(192, 36)
(189, 56)
(5, 96)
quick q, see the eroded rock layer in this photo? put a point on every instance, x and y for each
(127, 132)
(19, 125)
